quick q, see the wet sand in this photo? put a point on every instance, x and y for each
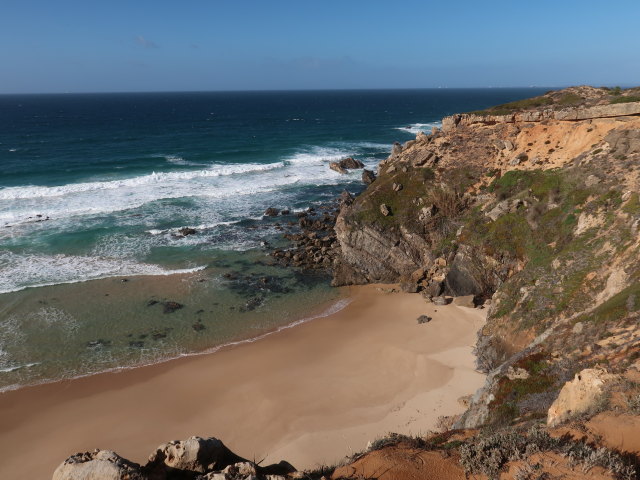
(310, 394)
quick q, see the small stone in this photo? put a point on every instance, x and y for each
(591, 180)
(397, 187)
(385, 210)
(577, 328)
(424, 319)
(440, 301)
(517, 373)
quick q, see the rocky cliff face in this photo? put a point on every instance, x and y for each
(533, 207)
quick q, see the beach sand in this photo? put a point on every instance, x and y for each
(310, 394)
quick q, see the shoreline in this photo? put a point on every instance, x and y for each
(309, 395)
(324, 310)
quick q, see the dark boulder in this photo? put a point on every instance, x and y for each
(345, 164)
(351, 163)
(368, 177)
(409, 287)
(271, 212)
(170, 307)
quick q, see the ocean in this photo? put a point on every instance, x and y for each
(94, 190)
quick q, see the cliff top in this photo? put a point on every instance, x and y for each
(580, 96)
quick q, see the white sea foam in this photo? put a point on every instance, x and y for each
(13, 368)
(416, 128)
(317, 156)
(177, 160)
(21, 205)
(220, 195)
(25, 192)
(20, 271)
(198, 228)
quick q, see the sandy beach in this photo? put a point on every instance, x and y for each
(310, 394)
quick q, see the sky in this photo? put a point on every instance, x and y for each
(55, 46)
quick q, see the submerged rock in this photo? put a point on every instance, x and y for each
(170, 307)
(271, 212)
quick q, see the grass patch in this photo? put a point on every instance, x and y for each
(569, 99)
(626, 99)
(632, 207)
(615, 308)
(512, 107)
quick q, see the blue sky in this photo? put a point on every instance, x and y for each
(140, 45)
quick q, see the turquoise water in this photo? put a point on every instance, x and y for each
(95, 188)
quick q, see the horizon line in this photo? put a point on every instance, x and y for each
(285, 90)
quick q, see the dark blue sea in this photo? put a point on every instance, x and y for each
(95, 188)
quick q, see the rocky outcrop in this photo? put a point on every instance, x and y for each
(98, 465)
(368, 177)
(370, 255)
(346, 164)
(579, 396)
(193, 459)
(451, 123)
(194, 455)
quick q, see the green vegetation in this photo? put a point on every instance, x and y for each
(627, 99)
(512, 107)
(615, 308)
(528, 236)
(418, 192)
(632, 207)
(569, 99)
(509, 393)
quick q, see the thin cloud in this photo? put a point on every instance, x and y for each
(145, 42)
